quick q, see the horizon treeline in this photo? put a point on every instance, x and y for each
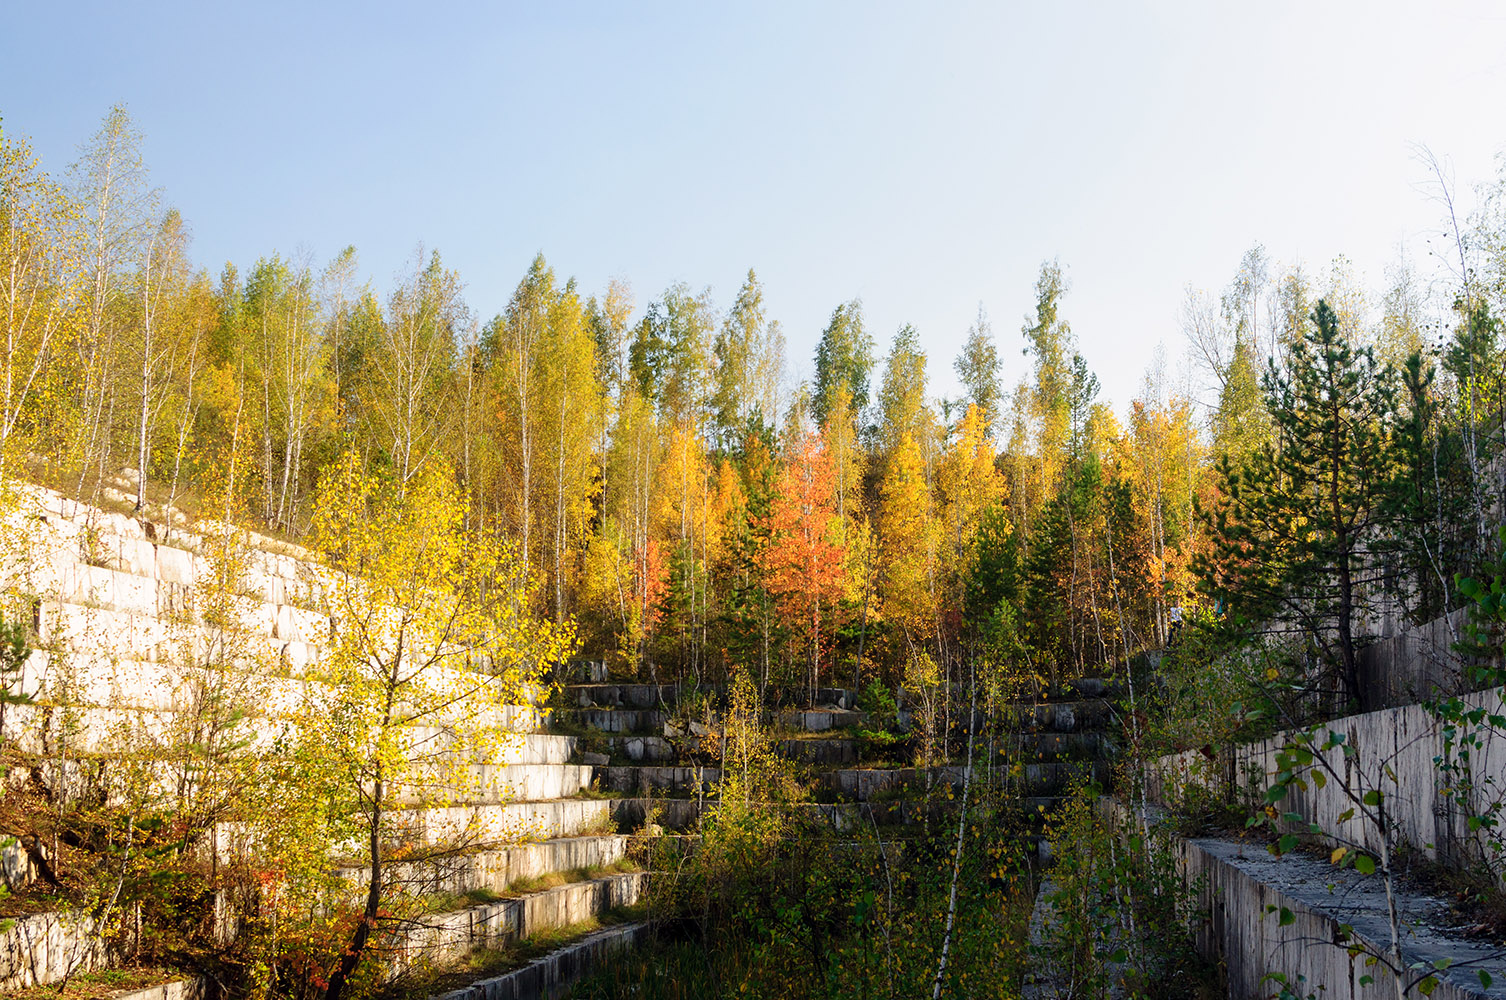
(691, 514)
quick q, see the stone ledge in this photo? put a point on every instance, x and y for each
(1405, 740)
(442, 937)
(547, 976)
(193, 988)
(1243, 890)
(498, 869)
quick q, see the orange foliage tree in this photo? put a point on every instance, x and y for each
(803, 560)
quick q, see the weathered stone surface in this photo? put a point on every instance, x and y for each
(499, 868)
(818, 721)
(640, 696)
(1035, 779)
(1050, 746)
(510, 823)
(643, 749)
(493, 783)
(844, 817)
(673, 814)
(864, 784)
(1060, 717)
(821, 752)
(45, 947)
(444, 937)
(615, 720)
(1413, 664)
(588, 671)
(551, 975)
(804, 697)
(603, 695)
(648, 780)
(1407, 741)
(193, 988)
(98, 730)
(1244, 890)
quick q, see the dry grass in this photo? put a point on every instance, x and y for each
(99, 985)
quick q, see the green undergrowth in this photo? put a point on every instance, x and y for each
(670, 970)
(593, 793)
(1121, 919)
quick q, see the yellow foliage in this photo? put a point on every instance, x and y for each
(430, 628)
(907, 533)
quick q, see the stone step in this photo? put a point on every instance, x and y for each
(651, 722)
(97, 730)
(1059, 717)
(113, 535)
(627, 695)
(1062, 717)
(1051, 746)
(838, 750)
(1080, 689)
(642, 696)
(1032, 780)
(819, 720)
(629, 814)
(1092, 687)
(427, 783)
(820, 752)
(490, 784)
(441, 938)
(684, 815)
(1054, 778)
(842, 698)
(646, 722)
(192, 988)
(507, 823)
(134, 571)
(649, 780)
(475, 827)
(642, 749)
(143, 654)
(43, 948)
(550, 975)
(497, 869)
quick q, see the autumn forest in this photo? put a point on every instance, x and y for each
(1016, 597)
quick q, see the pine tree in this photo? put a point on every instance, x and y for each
(1430, 500)
(1295, 533)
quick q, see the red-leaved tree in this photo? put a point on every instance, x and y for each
(803, 562)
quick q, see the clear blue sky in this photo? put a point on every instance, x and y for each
(925, 157)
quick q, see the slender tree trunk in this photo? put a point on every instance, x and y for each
(559, 503)
(147, 310)
(352, 955)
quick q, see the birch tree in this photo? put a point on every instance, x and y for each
(412, 362)
(37, 282)
(117, 205)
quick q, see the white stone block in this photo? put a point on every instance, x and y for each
(175, 565)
